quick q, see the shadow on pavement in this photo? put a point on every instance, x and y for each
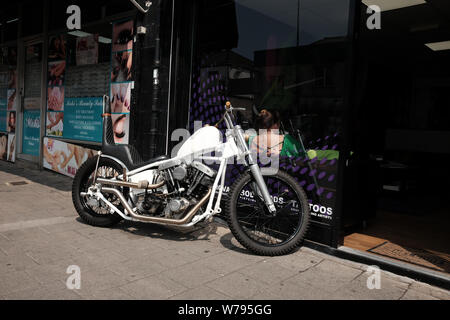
(199, 233)
(44, 177)
(226, 241)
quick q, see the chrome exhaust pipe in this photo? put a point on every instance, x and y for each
(141, 218)
(135, 185)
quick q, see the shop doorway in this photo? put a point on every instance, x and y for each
(30, 106)
(398, 204)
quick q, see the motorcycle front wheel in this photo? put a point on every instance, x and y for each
(257, 229)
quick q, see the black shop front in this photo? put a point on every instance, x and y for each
(361, 88)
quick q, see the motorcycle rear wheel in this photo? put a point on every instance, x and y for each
(93, 211)
(255, 227)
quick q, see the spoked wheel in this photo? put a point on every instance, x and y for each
(259, 230)
(92, 211)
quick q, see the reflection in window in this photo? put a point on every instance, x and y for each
(286, 55)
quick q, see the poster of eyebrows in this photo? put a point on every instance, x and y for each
(64, 158)
(121, 79)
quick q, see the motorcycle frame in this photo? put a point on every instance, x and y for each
(235, 146)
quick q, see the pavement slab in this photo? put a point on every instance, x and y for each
(153, 288)
(41, 235)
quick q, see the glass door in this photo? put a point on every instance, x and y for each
(30, 109)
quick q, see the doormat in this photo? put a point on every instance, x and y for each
(424, 258)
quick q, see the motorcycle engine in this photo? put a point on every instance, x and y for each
(185, 186)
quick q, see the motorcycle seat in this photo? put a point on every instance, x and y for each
(129, 156)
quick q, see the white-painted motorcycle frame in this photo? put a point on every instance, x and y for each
(235, 146)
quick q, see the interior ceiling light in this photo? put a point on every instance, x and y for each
(387, 5)
(79, 33)
(424, 28)
(12, 20)
(439, 46)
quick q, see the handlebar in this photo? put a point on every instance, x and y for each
(228, 113)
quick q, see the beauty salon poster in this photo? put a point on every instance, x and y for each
(64, 158)
(121, 79)
(87, 50)
(31, 132)
(81, 120)
(3, 114)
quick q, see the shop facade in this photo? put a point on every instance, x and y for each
(54, 79)
(313, 62)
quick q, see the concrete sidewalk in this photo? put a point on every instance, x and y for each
(41, 236)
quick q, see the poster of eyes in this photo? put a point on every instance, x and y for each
(121, 79)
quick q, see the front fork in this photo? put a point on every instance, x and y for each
(255, 170)
(257, 174)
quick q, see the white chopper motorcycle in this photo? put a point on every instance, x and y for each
(267, 214)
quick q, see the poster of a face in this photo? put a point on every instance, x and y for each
(55, 98)
(57, 48)
(12, 99)
(55, 124)
(33, 53)
(11, 124)
(3, 146)
(11, 147)
(122, 63)
(121, 128)
(120, 97)
(87, 50)
(63, 157)
(12, 56)
(12, 79)
(56, 73)
(123, 34)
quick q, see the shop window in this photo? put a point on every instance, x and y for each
(88, 61)
(287, 57)
(84, 66)
(78, 75)
(8, 99)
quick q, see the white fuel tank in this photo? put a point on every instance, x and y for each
(203, 140)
